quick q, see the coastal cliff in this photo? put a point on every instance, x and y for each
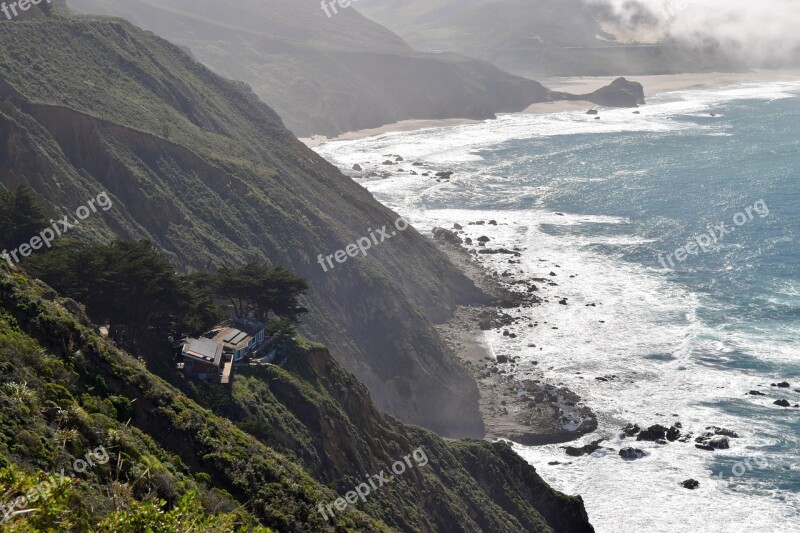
(198, 165)
(295, 437)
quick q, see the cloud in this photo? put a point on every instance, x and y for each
(760, 30)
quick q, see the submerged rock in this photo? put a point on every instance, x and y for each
(690, 484)
(631, 454)
(631, 429)
(588, 449)
(722, 431)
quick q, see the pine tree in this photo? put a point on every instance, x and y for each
(27, 217)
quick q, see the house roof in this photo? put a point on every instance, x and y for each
(204, 350)
(235, 334)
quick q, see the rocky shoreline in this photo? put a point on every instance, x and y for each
(527, 411)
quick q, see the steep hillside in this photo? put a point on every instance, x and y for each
(306, 432)
(326, 75)
(542, 38)
(200, 166)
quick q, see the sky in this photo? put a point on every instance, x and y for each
(761, 29)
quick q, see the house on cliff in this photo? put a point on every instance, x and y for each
(213, 356)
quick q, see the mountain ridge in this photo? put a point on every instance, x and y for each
(329, 76)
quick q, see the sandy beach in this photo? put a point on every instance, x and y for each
(672, 82)
(581, 85)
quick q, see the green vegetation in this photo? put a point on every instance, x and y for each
(64, 390)
(134, 289)
(258, 290)
(21, 217)
(128, 285)
(284, 441)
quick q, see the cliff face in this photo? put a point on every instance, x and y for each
(200, 166)
(296, 437)
(327, 75)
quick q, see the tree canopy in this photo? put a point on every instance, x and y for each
(258, 289)
(22, 217)
(132, 287)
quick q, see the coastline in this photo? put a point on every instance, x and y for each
(531, 411)
(653, 84)
(661, 430)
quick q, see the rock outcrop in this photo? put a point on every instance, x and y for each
(621, 93)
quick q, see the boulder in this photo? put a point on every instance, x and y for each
(756, 393)
(653, 433)
(441, 234)
(717, 438)
(722, 431)
(782, 403)
(592, 112)
(720, 442)
(631, 454)
(690, 484)
(357, 167)
(673, 433)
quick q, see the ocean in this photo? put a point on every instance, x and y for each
(602, 204)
